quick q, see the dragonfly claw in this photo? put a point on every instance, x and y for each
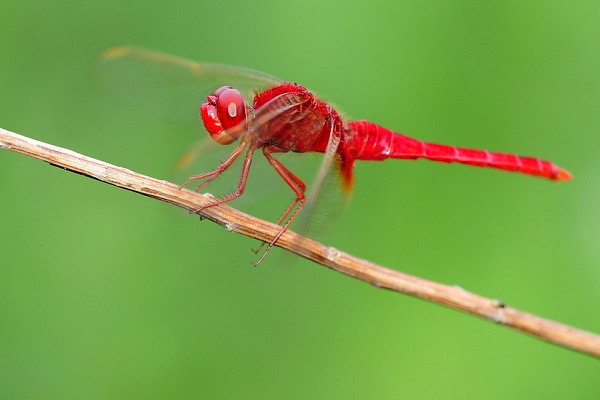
(262, 257)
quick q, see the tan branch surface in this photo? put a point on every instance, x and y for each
(236, 221)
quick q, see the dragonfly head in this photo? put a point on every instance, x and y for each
(224, 115)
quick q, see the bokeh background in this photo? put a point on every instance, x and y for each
(107, 294)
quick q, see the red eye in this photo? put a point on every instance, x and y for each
(224, 115)
(231, 108)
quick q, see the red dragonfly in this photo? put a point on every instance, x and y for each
(286, 117)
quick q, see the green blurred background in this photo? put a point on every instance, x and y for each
(107, 294)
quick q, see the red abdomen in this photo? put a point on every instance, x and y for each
(367, 141)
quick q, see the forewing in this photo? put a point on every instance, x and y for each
(169, 84)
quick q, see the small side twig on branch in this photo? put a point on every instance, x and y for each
(236, 221)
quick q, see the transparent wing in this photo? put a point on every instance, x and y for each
(169, 84)
(326, 199)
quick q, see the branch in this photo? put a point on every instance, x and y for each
(236, 221)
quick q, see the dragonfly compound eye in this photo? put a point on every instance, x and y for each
(224, 115)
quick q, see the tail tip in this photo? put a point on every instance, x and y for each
(562, 175)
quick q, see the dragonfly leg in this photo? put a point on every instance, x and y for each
(243, 178)
(297, 185)
(210, 176)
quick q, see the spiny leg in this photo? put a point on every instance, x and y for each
(241, 185)
(297, 185)
(210, 176)
(278, 166)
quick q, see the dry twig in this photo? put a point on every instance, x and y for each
(236, 221)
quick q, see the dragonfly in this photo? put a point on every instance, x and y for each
(284, 117)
